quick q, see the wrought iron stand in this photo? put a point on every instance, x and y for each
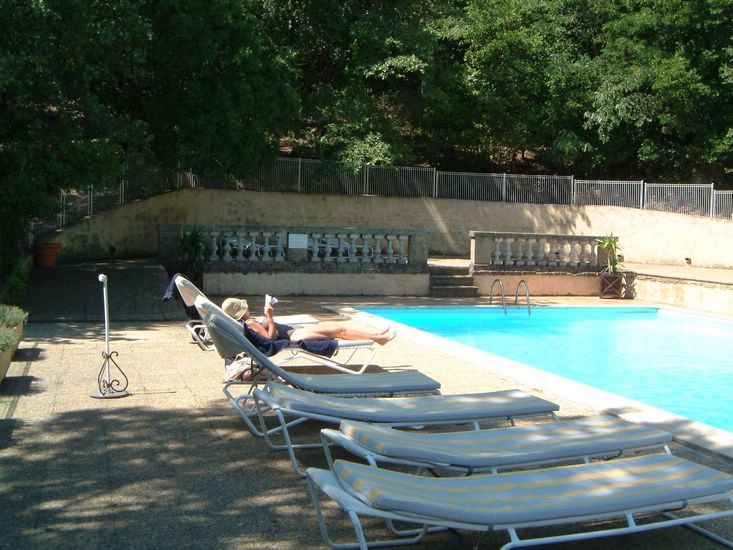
(109, 387)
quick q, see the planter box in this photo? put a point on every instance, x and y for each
(5, 358)
(612, 285)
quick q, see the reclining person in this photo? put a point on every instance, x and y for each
(266, 327)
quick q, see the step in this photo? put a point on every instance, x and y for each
(446, 280)
(452, 291)
(448, 270)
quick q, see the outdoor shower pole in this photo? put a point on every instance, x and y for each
(109, 387)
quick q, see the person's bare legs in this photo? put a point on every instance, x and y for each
(343, 333)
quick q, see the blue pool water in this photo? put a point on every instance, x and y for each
(669, 359)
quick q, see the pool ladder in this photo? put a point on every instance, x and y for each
(516, 294)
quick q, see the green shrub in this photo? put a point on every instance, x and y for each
(13, 289)
(12, 316)
(8, 338)
(191, 247)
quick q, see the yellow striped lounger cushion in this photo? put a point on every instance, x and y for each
(544, 495)
(592, 436)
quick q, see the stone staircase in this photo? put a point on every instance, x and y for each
(451, 281)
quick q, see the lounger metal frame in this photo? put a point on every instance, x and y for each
(255, 406)
(349, 347)
(325, 482)
(187, 293)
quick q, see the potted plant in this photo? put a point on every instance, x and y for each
(8, 344)
(46, 254)
(13, 317)
(191, 248)
(612, 277)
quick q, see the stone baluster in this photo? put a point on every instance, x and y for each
(519, 252)
(267, 246)
(328, 248)
(315, 248)
(367, 253)
(574, 254)
(530, 261)
(389, 257)
(564, 254)
(497, 251)
(352, 248)
(241, 243)
(402, 249)
(508, 251)
(253, 247)
(553, 253)
(593, 254)
(540, 252)
(377, 258)
(342, 252)
(214, 236)
(226, 247)
(280, 247)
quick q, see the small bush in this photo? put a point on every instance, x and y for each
(8, 338)
(12, 316)
(13, 289)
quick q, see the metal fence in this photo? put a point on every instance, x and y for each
(140, 179)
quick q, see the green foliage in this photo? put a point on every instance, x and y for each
(12, 316)
(8, 338)
(191, 247)
(589, 87)
(610, 245)
(190, 84)
(14, 285)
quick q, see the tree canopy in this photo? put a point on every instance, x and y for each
(191, 84)
(596, 88)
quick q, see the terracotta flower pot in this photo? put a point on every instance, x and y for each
(46, 254)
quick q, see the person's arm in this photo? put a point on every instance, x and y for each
(271, 327)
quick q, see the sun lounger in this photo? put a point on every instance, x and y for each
(491, 450)
(510, 501)
(186, 293)
(296, 350)
(230, 342)
(292, 407)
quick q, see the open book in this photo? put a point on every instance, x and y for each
(269, 301)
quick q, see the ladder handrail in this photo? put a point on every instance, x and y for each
(526, 293)
(503, 293)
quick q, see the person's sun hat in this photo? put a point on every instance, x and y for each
(235, 307)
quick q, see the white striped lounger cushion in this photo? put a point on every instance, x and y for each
(592, 436)
(544, 495)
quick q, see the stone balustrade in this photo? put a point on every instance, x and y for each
(533, 251)
(242, 248)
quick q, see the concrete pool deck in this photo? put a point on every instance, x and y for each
(171, 465)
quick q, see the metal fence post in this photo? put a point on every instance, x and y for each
(366, 179)
(572, 190)
(642, 196)
(503, 188)
(435, 183)
(300, 162)
(61, 216)
(712, 200)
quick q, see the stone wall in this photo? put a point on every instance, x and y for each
(646, 237)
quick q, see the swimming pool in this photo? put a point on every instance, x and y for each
(673, 360)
